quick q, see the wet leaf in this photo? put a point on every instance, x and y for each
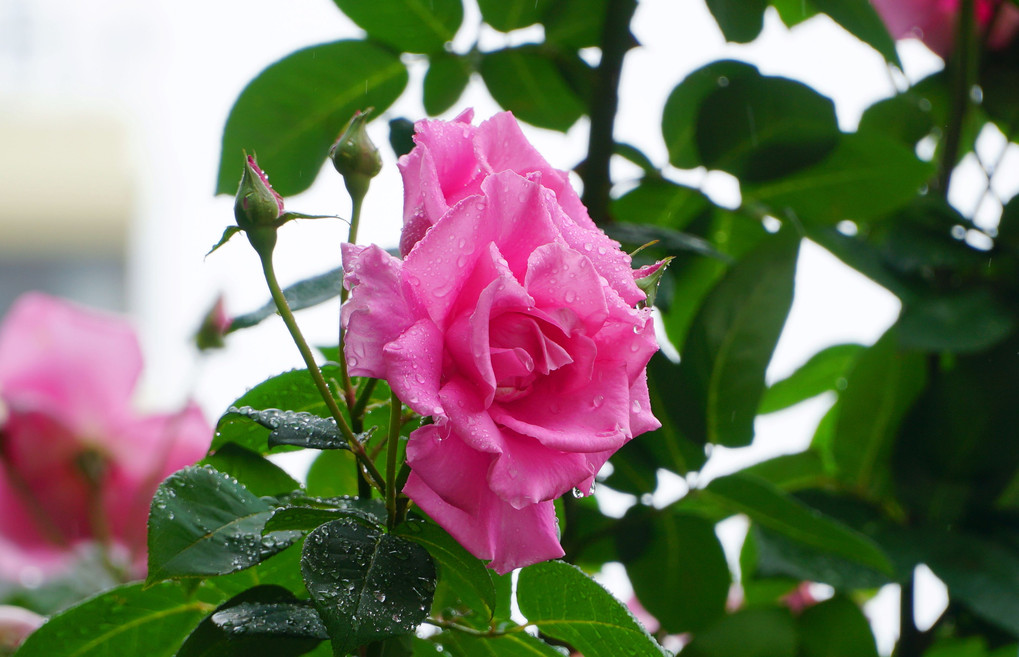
(203, 522)
(366, 585)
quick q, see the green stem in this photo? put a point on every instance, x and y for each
(963, 63)
(356, 409)
(392, 449)
(465, 629)
(616, 39)
(363, 398)
(316, 374)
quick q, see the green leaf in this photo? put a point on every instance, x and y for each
(955, 451)
(445, 81)
(880, 390)
(779, 556)
(662, 203)
(634, 155)
(303, 294)
(260, 476)
(668, 240)
(906, 117)
(790, 472)
(262, 621)
(982, 574)
(793, 12)
(517, 644)
(422, 26)
(769, 506)
(969, 320)
(669, 447)
(860, 19)
(117, 622)
(835, 628)
(754, 632)
(401, 136)
(679, 116)
(764, 128)
(575, 24)
(333, 473)
(203, 522)
(864, 178)
(294, 391)
(568, 605)
(229, 232)
(691, 278)
(729, 345)
(509, 15)
(294, 110)
(306, 514)
(528, 82)
(826, 370)
(366, 585)
(740, 20)
(677, 567)
(464, 573)
(295, 428)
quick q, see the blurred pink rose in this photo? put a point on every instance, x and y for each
(15, 626)
(76, 463)
(512, 323)
(933, 21)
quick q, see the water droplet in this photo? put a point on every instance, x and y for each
(578, 493)
(601, 250)
(598, 401)
(634, 346)
(588, 246)
(570, 296)
(380, 596)
(462, 242)
(635, 406)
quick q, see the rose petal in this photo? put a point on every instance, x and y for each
(528, 472)
(413, 361)
(489, 528)
(592, 419)
(377, 312)
(43, 365)
(558, 277)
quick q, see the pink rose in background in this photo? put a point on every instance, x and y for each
(933, 21)
(512, 323)
(76, 463)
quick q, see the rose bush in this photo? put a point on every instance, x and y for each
(512, 323)
(933, 21)
(76, 463)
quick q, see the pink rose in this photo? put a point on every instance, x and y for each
(76, 463)
(933, 21)
(511, 322)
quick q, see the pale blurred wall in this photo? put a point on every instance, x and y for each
(68, 180)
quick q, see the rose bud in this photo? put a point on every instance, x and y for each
(355, 156)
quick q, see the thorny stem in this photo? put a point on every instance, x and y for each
(316, 374)
(603, 105)
(392, 449)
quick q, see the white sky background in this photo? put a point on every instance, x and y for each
(173, 69)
